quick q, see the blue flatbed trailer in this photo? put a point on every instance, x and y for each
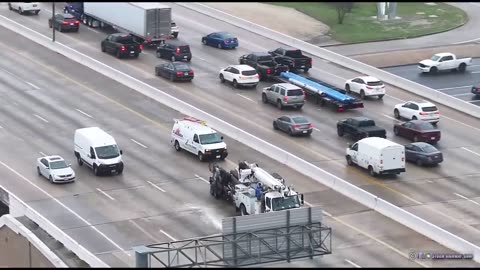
(324, 93)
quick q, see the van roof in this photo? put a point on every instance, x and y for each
(97, 135)
(379, 142)
(198, 128)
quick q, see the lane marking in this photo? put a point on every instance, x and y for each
(468, 150)
(317, 129)
(468, 199)
(33, 85)
(155, 186)
(467, 41)
(201, 178)
(246, 97)
(457, 87)
(66, 207)
(464, 94)
(138, 143)
(201, 58)
(352, 263)
(1, 127)
(307, 203)
(471, 101)
(399, 99)
(41, 118)
(390, 117)
(104, 193)
(84, 113)
(474, 72)
(91, 29)
(144, 231)
(41, 153)
(168, 235)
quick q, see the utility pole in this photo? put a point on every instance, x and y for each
(53, 21)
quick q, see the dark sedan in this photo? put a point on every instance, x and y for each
(64, 22)
(293, 125)
(476, 90)
(417, 131)
(220, 40)
(175, 71)
(423, 153)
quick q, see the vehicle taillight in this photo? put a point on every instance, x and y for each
(310, 125)
(423, 113)
(178, 51)
(293, 63)
(340, 109)
(141, 47)
(122, 48)
(369, 87)
(179, 73)
(437, 112)
(190, 72)
(64, 23)
(148, 40)
(256, 75)
(225, 41)
(269, 71)
(285, 98)
(311, 61)
(77, 22)
(296, 126)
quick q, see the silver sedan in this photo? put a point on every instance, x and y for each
(293, 125)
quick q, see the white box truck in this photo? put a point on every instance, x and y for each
(149, 22)
(377, 155)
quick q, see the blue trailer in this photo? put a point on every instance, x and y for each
(324, 93)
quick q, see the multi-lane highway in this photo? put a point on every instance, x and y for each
(68, 96)
(456, 84)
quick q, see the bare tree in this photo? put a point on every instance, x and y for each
(342, 9)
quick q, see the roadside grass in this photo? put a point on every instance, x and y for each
(361, 26)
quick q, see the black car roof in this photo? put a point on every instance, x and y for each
(360, 118)
(176, 43)
(121, 34)
(261, 54)
(67, 16)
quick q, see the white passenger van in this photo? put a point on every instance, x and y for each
(98, 150)
(377, 155)
(196, 137)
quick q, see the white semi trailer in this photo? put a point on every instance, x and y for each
(149, 22)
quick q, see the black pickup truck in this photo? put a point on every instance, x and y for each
(293, 58)
(359, 128)
(121, 44)
(264, 63)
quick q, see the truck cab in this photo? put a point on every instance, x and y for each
(444, 61)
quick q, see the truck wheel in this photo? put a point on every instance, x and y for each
(396, 113)
(275, 127)
(414, 117)
(222, 79)
(159, 54)
(395, 130)
(175, 35)
(433, 70)
(415, 139)
(243, 210)
(204, 41)
(340, 132)
(50, 179)
(220, 46)
(419, 162)
(290, 132)
(371, 171)
(36, 12)
(380, 96)
(306, 70)
(349, 161)
(200, 156)
(103, 49)
(279, 105)
(347, 88)
(264, 98)
(462, 67)
(95, 170)
(177, 146)
(20, 11)
(118, 54)
(362, 94)
(235, 83)
(173, 58)
(85, 20)
(10, 6)
(38, 171)
(50, 24)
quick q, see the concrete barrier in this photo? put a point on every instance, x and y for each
(369, 200)
(19, 208)
(341, 60)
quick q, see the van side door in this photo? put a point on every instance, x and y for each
(354, 153)
(196, 144)
(90, 158)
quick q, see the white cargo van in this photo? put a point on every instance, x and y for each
(98, 150)
(196, 137)
(377, 155)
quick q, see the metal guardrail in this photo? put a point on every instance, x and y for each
(338, 59)
(369, 200)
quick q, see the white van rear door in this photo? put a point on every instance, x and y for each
(393, 158)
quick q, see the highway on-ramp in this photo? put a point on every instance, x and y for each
(432, 193)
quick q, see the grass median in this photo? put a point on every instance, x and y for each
(360, 25)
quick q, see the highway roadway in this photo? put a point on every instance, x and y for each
(456, 84)
(444, 195)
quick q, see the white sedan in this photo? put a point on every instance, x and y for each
(365, 86)
(240, 75)
(417, 110)
(55, 169)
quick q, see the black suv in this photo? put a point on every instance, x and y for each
(174, 50)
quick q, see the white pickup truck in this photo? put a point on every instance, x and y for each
(444, 61)
(24, 7)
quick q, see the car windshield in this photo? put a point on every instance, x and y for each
(61, 164)
(300, 120)
(294, 53)
(249, 72)
(106, 152)
(425, 126)
(181, 66)
(435, 58)
(376, 83)
(284, 203)
(427, 148)
(210, 138)
(429, 109)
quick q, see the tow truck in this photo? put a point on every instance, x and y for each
(239, 187)
(324, 93)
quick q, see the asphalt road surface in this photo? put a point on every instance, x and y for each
(445, 195)
(456, 84)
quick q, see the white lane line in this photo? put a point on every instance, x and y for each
(456, 87)
(41, 118)
(463, 197)
(464, 94)
(155, 186)
(138, 143)
(307, 203)
(104, 193)
(352, 263)
(471, 101)
(84, 113)
(147, 53)
(393, 118)
(91, 29)
(246, 97)
(168, 235)
(474, 72)
(1, 127)
(467, 125)
(467, 41)
(66, 207)
(468, 150)
(33, 85)
(200, 58)
(41, 153)
(327, 213)
(145, 232)
(201, 178)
